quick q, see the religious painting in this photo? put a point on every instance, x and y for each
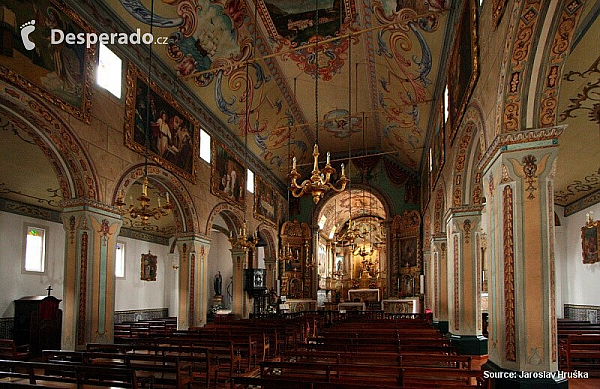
(293, 24)
(437, 145)
(590, 236)
(265, 201)
(409, 252)
(463, 68)
(156, 125)
(228, 177)
(425, 184)
(148, 267)
(61, 73)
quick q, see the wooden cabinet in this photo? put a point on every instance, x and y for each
(38, 322)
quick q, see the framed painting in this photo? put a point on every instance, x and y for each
(265, 202)
(61, 73)
(228, 179)
(425, 180)
(437, 145)
(590, 236)
(409, 252)
(154, 123)
(148, 267)
(463, 68)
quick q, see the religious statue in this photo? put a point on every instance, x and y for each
(218, 282)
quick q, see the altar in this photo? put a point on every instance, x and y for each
(407, 305)
(363, 295)
(352, 307)
(299, 305)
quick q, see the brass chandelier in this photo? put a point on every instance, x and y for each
(242, 241)
(320, 181)
(144, 211)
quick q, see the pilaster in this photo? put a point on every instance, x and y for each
(242, 257)
(463, 228)
(89, 288)
(440, 282)
(518, 179)
(193, 281)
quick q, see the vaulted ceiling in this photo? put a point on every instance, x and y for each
(253, 64)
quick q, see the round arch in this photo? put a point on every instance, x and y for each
(233, 218)
(187, 219)
(69, 159)
(469, 140)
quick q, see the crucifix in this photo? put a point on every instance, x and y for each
(49, 289)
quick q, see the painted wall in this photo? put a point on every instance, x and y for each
(579, 282)
(133, 293)
(13, 283)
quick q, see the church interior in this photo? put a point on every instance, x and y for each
(185, 180)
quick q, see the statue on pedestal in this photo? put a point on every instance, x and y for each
(218, 283)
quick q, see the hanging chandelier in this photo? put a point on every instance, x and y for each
(242, 241)
(320, 181)
(144, 210)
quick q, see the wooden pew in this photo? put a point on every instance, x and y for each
(8, 350)
(22, 374)
(160, 368)
(278, 383)
(583, 353)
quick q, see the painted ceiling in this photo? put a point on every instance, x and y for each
(253, 64)
(578, 166)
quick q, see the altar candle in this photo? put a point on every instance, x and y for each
(421, 284)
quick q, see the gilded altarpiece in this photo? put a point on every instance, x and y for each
(296, 280)
(407, 257)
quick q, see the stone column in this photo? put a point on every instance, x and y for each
(427, 268)
(440, 282)
(89, 288)
(463, 228)
(518, 178)
(193, 281)
(241, 304)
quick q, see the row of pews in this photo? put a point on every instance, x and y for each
(579, 346)
(147, 355)
(363, 352)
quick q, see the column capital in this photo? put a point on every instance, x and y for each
(463, 211)
(517, 141)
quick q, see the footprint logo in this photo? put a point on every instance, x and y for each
(27, 29)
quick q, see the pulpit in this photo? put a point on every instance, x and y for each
(38, 322)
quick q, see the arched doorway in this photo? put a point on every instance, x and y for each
(351, 245)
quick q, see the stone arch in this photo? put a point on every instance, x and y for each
(267, 232)
(186, 217)
(383, 198)
(522, 49)
(233, 217)
(438, 211)
(469, 141)
(69, 159)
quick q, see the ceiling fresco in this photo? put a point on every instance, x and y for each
(578, 166)
(253, 63)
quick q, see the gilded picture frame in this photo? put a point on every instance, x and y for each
(590, 236)
(265, 202)
(149, 267)
(463, 68)
(438, 145)
(228, 176)
(172, 133)
(60, 73)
